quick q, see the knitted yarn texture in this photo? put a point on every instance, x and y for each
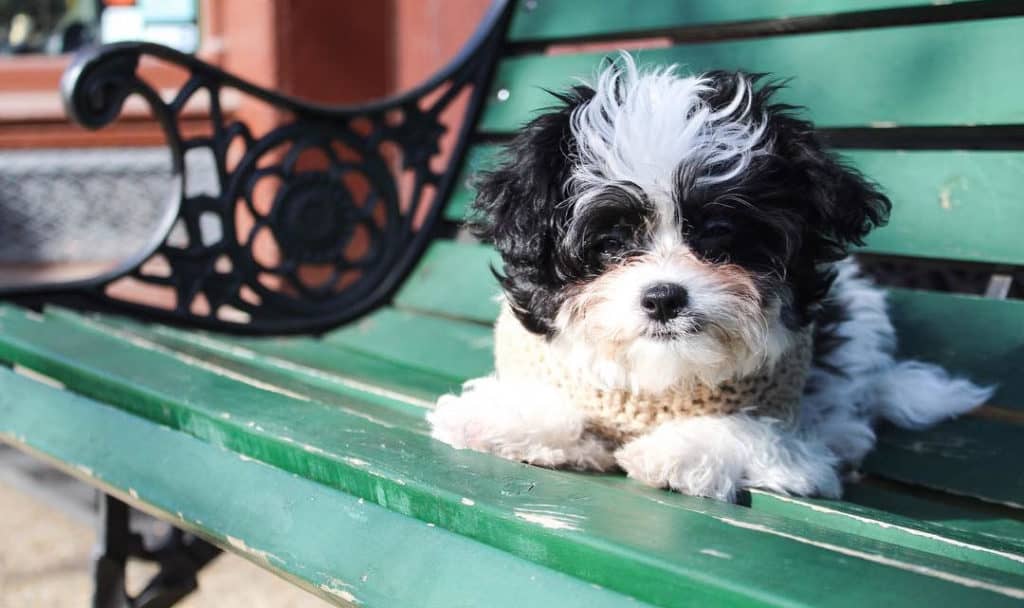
(618, 415)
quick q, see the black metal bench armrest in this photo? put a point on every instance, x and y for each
(360, 221)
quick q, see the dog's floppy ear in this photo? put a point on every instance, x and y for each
(518, 206)
(529, 180)
(514, 200)
(841, 206)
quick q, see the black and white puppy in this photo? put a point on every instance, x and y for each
(657, 229)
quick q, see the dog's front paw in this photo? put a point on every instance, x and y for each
(530, 424)
(461, 423)
(717, 456)
(688, 468)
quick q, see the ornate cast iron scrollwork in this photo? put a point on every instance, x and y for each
(284, 245)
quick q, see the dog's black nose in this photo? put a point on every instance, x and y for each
(664, 301)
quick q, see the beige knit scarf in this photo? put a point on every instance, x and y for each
(618, 415)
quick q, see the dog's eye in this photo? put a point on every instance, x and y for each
(717, 230)
(609, 245)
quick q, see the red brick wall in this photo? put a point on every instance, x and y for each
(342, 51)
(428, 33)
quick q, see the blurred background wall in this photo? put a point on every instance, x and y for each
(72, 200)
(335, 51)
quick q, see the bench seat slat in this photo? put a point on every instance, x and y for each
(342, 548)
(480, 156)
(464, 277)
(946, 205)
(999, 529)
(970, 456)
(1003, 552)
(978, 337)
(552, 20)
(497, 502)
(972, 536)
(341, 369)
(322, 378)
(959, 533)
(454, 349)
(938, 453)
(901, 76)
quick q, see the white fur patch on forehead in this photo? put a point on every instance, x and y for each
(642, 125)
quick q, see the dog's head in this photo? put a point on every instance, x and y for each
(662, 228)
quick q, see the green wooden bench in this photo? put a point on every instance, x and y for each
(310, 456)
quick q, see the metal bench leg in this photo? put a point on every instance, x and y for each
(179, 555)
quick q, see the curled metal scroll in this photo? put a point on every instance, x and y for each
(282, 246)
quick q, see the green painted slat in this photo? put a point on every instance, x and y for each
(462, 351)
(951, 204)
(457, 283)
(669, 554)
(901, 76)
(453, 349)
(972, 535)
(936, 537)
(976, 521)
(975, 538)
(334, 383)
(449, 279)
(549, 20)
(383, 374)
(477, 158)
(981, 338)
(340, 369)
(347, 550)
(973, 531)
(969, 456)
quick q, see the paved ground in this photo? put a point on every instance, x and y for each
(46, 539)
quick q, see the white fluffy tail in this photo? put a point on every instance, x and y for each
(915, 395)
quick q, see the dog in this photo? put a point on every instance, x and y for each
(678, 300)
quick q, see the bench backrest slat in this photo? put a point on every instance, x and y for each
(923, 76)
(563, 20)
